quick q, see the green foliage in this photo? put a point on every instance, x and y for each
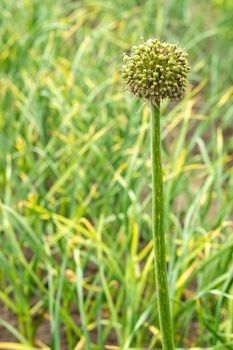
(225, 4)
(76, 251)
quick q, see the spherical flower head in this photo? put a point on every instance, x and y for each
(156, 70)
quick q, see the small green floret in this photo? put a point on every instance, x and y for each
(155, 70)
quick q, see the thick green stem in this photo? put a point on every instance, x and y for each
(158, 233)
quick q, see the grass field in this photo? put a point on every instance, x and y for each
(76, 259)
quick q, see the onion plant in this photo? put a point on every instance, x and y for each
(155, 71)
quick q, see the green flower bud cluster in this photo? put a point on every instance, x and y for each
(155, 70)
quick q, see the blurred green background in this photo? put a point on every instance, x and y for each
(76, 260)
